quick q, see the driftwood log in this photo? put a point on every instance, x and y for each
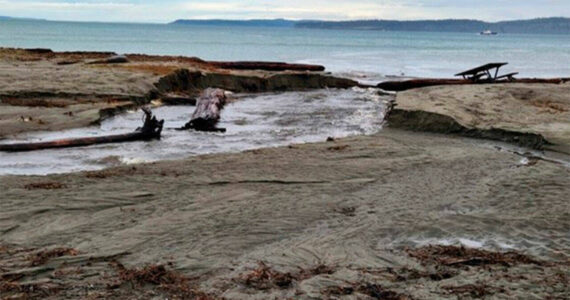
(266, 66)
(115, 59)
(151, 130)
(398, 86)
(208, 109)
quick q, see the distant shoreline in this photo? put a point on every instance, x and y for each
(532, 26)
(554, 25)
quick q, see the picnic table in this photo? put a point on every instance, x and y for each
(479, 73)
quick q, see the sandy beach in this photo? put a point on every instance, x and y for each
(462, 194)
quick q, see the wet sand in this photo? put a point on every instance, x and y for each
(352, 204)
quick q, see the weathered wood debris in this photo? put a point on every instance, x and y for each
(208, 109)
(115, 59)
(398, 86)
(266, 66)
(151, 129)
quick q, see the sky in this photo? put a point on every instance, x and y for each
(169, 10)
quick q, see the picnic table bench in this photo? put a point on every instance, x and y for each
(476, 74)
(509, 76)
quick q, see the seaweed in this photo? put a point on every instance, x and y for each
(374, 291)
(37, 290)
(407, 274)
(264, 278)
(45, 186)
(43, 257)
(338, 148)
(173, 283)
(455, 256)
(478, 290)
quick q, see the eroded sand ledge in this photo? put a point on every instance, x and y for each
(532, 115)
(61, 90)
(327, 220)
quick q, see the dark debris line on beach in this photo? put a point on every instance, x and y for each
(400, 86)
(64, 272)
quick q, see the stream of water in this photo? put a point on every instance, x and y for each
(252, 121)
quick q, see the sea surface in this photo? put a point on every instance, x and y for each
(370, 56)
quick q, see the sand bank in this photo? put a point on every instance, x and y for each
(58, 81)
(530, 114)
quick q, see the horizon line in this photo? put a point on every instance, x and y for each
(273, 19)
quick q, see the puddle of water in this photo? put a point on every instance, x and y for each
(492, 243)
(496, 243)
(255, 121)
(528, 156)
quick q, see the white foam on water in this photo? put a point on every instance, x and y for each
(132, 160)
(471, 243)
(491, 242)
(527, 154)
(252, 121)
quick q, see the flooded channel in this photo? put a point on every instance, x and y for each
(252, 121)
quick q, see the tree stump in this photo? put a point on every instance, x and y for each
(208, 110)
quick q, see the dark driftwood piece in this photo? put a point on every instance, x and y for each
(151, 129)
(398, 86)
(115, 59)
(208, 110)
(267, 66)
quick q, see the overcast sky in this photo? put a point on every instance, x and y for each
(169, 10)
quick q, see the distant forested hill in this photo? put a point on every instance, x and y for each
(5, 18)
(250, 23)
(544, 25)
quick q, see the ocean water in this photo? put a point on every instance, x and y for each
(367, 55)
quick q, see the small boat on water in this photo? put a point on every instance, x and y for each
(488, 32)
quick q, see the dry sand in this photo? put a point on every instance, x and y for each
(40, 95)
(542, 109)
